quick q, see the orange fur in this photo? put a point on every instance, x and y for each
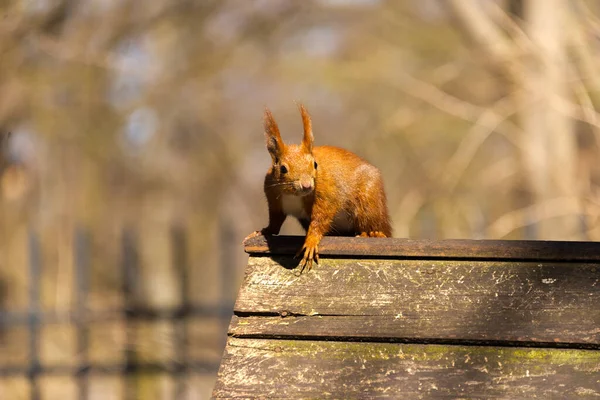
(343, 195)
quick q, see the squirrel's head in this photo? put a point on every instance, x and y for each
(294, 168)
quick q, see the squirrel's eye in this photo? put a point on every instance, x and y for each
(316, 165)
(283, 169)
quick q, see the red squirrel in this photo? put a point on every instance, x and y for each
(331, 191)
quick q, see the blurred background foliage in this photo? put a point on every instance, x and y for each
(481, 115)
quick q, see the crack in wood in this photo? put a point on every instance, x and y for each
(288, 314)
(408, 340)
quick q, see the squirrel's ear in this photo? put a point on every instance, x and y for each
(307, 140)
(274, 143)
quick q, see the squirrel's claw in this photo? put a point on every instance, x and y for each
(250, 236)
(311, 254)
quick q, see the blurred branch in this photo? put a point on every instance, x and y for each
(455, 106)
(435, 96)
(474, 21)
(487, 123)
(460, 108)
(588, 16)
(583, 112)
(62, 51)
(447, 72)
(406, 211)
(485, 120)
(582, 55)
(16, 24)
(589, 113)
(536, 213)
(502, 18)
(58, 14)
(494, 174)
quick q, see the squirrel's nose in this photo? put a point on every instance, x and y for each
(306, 185)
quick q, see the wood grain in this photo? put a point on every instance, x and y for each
(305, 369)
(414, 299)
(431, 249)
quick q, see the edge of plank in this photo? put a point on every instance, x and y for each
(538, 250)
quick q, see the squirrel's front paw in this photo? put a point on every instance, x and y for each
(311, 253)
(264, 232)
(250, 236)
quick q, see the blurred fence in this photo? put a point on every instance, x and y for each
(148, 346)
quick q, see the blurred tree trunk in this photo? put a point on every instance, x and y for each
(549, 148)
(540, 73)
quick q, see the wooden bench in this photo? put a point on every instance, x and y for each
(416, 319)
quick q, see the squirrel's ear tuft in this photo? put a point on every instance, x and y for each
(308, 139)
(274, 143)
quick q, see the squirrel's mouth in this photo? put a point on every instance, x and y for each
(302, 191)
(305, 192)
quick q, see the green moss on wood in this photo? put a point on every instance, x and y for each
(516, 361)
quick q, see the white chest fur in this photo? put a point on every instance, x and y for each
(292, 205)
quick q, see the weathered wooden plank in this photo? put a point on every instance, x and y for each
(301, 369)
(405, 328)
(471, 300)
(431, 249)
